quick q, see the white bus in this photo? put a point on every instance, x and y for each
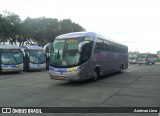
(86, 55)
(34, 58)
(11, 58)
(146, 58)
(133, 59)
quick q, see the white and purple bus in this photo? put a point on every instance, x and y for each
(11, 58)
(34, 58)
(146, 58)
(86, 55)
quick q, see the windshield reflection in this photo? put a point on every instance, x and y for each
(65, 52)
(11, 57)
(37, 56)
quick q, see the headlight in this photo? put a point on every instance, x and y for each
(78, 70)
(72, 69)
(20, 66)
(44, 65)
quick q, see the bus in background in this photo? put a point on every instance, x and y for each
(86, 55)
(34, 58)
(133, 59)
(146, 58)
(11, 58)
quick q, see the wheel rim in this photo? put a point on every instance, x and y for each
(121, 69)
(95, 75)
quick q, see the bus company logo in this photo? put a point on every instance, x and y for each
(20, 110)
(6, 110)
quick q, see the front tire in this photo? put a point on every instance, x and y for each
(121, 69)
(96, 75)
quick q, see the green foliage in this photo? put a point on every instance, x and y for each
(41, 29)
(10, 27)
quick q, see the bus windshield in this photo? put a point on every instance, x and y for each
(143, 55)
(37, 56)
(11, 57)
(133, 58)
(65, 51)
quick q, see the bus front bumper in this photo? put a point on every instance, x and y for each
(37, 66)
(141, 62)
(73, 76)
(12, 68)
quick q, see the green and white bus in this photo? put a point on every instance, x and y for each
(86, 55)
(11, 58)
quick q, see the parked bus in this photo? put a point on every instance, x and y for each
(86, 55)
(34, 59)
(146, 58)
(11, 58)
(133, 59)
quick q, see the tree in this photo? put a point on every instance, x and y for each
(67, 26)
(11, 27)
(2, 21)
(41, 29)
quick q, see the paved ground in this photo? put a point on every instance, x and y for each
(138, 86)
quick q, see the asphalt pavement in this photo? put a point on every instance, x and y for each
(138, 86)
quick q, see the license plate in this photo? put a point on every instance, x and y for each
(39, 65)
(61, 77)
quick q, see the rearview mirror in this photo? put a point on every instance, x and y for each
(81, 45)
(47, 47)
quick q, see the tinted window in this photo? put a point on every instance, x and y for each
(99, 45)
(107, 45)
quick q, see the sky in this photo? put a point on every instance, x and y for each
(135, 23)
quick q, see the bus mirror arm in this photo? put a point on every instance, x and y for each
(46, 46)
(81, 45)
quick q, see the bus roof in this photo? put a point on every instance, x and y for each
(76, 34)
(146, 53)
(8, 46)
(82, 34)
(33, 47)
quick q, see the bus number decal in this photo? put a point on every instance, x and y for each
(72, 41)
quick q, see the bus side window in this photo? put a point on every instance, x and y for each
(107, 45)
(99, 45)
(119, 50)
(125, 49)
(112, 47)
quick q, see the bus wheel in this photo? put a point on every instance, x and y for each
(95, 75)
(121, 69)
